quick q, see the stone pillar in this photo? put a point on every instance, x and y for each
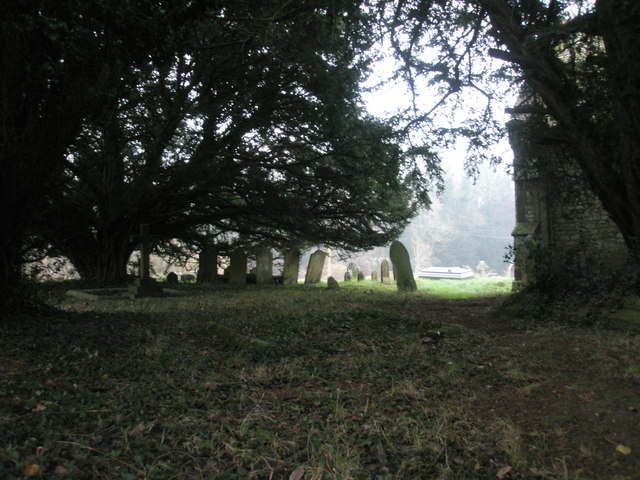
(144, 285)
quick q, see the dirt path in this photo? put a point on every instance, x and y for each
(573, 392)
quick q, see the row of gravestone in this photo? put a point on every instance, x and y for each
(402, 270)
(237, 270)
(144, 286)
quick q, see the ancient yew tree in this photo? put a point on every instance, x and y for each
(59, 61)
(245, 120)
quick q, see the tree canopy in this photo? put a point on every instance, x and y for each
(243, 118)
(58, 62)
(214, 116)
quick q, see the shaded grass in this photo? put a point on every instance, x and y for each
(349, 384)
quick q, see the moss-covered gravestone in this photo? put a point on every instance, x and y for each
(332, 284)
(314, 270)
(374, 275)
(264, 266)
(208, 265)
(238, 267)
(291, 267)
(384, 272)
(402, 267)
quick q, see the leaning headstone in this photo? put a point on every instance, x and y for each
(360, 276)
(314, 269)
(402, 267)
(172, 278)
(291, 267)
(332, 284)
(384, 272)
(144, 285)
(347, 276)
(238, 267)
(208, 265)
(374, 275)
(264, 266)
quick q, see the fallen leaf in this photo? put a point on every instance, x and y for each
(503, 472)
(476, 467)
(297, 474)
(60, 470)
(39, 408)
(49, 383)
(623, 449)
(137, 429)
(31, 469)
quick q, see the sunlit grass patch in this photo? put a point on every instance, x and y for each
(466, 288)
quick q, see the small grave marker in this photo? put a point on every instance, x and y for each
(384, 272)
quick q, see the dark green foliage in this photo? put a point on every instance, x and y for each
(62, 63)
(575, 285)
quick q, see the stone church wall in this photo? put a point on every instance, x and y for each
(555, 209)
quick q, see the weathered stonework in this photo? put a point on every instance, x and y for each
(554, 206)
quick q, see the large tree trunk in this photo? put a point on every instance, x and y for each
(619, 25)
(10, 267)
(100, 259)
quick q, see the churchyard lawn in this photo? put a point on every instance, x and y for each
(308, 383)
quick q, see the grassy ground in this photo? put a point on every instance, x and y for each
(307, 383)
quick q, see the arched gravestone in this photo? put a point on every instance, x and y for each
(291, 267)
(172, 278)
(238, 267)
(384, 272)
(314, 270)
(264, 266)
(374, 275)
(402, 267)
